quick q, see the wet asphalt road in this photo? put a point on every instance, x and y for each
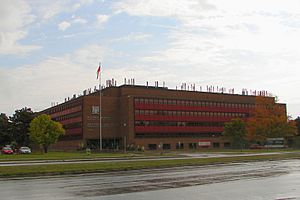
(256, 180)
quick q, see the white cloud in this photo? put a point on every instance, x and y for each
(101, 19)
(15, 17)
(64, 25)
(78, 20)
(169, 8)
(51, 80)
(133, 37)
(81, 3)
(48, 9)
(250, 44)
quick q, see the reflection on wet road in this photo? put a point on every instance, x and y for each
(255, 180)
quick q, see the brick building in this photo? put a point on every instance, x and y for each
(152, 117)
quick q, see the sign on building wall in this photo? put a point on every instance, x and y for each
(204, 143)
(95, 110)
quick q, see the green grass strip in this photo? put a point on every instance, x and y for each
(68, 156)
(83, 155)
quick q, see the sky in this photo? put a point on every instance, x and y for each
(50, 50)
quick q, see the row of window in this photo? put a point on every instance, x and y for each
(189, 113)
(166, 123)
(192, 103)
(70, 137)
(68, 116)
(73, 125)
(182, 146)
(177, 135)
(62, 107)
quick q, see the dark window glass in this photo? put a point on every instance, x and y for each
(179, 145)
(226, 144)
(216, 145)
(152, 146)
(166, 146)
(192, 145)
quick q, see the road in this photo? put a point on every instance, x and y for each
(255, 180)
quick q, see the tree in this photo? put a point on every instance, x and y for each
(20, 124)
(5, 136)
(44, 131)
(235, 131)
(269, 120)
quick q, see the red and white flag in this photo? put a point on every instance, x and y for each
(99, 70)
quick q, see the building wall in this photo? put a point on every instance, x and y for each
(110, 117)
(157, 115)
(149, 116)
(70, 115)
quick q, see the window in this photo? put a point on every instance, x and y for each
(179, 145)
(146, 112)
(216, 145)
(226, 144)
(166, 146)
(152, 146)
(192, 145)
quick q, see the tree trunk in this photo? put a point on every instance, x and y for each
(45, 149)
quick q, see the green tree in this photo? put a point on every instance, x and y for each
(20, 126)
(44, 131)
(235, 131)
(5, 136)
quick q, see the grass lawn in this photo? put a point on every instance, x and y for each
(66, 156)
(95, 155)
(75, 168)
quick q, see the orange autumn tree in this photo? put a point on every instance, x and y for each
(269, 120)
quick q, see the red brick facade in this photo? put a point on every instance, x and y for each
(149, 117)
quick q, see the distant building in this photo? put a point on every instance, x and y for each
(151, 117)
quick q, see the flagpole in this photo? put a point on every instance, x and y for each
(100, 110)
